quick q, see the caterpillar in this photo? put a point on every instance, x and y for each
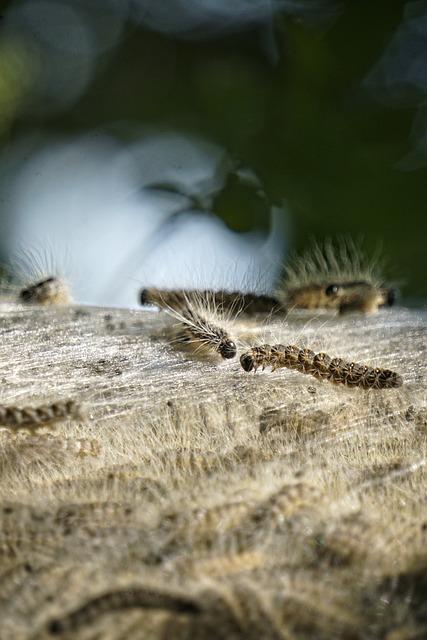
(238, 612)
(199, 333)
(248, 303)
(33, 277)
(345, 296)
(319, 365)
(195, 329)
(334, 275)
(50, 291)
(33, 418)
(139, 597)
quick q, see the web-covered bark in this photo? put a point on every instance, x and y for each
(270, 502)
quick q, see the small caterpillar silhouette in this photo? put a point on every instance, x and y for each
(33, 418)
(319, 365)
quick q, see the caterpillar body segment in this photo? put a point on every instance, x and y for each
(33, 418)
(246, 303)
(319, 365)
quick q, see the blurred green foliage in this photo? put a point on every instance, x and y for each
(315, 138)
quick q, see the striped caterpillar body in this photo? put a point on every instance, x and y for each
(50, 291)
(33, 418)
(247, 303)
(139, 598)
(319, 365)
(198, 333)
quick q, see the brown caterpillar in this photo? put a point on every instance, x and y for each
(202, 333)
(50, 291)
(34, 277)
(33, 418)
(249, 303)
(320, 366)
(346, 296)
(196, 331)
(334, 275)
(133, 598)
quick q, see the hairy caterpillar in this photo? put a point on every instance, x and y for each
(139, 597)
(34, 278)
(249, 303)
(196, 330)
(33, 418)
(334, 275)
(50, 291)
(346, 296)
(319, 365)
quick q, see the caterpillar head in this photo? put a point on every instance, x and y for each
(247, 361)
(144, 297)
(227, 348)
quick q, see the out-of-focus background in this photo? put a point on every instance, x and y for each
(198, 142)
